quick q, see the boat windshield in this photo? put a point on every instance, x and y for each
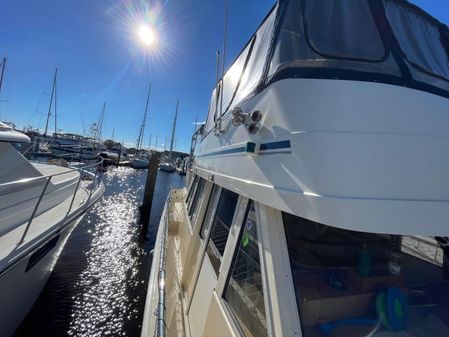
(388, 41)
(356, 284)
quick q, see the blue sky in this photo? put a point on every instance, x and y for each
(94, 46)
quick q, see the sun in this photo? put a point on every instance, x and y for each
(146, 35)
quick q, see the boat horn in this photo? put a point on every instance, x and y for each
(250, 120)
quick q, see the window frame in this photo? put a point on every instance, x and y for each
(315, 49)
(196, 200)
(215, 189)
(231, 233)
(191, 190)
(431, 21)
(235, 253)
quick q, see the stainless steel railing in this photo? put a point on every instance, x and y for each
(160, 329)
(89, 171)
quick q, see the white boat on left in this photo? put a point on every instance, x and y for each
(40, 204)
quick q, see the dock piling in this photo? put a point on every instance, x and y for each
(145, 209)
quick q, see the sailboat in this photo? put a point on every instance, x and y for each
(141, 161)
(167, 164)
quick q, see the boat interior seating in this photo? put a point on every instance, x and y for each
(340, 276)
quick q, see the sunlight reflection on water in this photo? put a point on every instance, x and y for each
(99, 283)
(102, 305)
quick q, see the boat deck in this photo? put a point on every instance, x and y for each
(11, 244)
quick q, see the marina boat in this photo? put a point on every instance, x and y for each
(167, 163)
(40, 205)
(141, 161)
(318, 199)
(167, 166)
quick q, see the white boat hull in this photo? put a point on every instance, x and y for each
(167, 168)
(139, 164)
(20, 288)
(335, 153)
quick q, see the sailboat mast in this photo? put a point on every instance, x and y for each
(3, 72)
(56, 117)
(142, 127)
(100, 122)
(51, 102)
(174, 128)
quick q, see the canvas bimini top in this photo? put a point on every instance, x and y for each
(385, 41)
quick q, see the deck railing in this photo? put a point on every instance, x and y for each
(89, 171)
(160, 328)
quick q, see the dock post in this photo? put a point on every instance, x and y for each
(145, 209)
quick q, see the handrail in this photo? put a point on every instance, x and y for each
(69, 169)
(83, 172)
(160, 328)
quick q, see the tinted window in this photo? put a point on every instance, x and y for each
(220, 227)
(191, 191)
(419, 38)
(244, 291)
(343, 29)
(340, 274)
(196, 197)
(210, 212)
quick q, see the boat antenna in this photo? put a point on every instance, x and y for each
(142, 126)
(2, 73)
(155, 145)
(51, 102)
(174, 129)
(113, 134)
(149, 142)
(225, 38)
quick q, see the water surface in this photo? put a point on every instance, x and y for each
(99, 284)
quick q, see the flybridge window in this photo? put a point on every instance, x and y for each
(343, 29)
(419, 38)
(244, 290)
(220, 227)
(356, 284)
(232, 78)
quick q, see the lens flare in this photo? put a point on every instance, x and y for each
(146, 35)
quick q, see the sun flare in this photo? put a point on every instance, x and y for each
(146, 35)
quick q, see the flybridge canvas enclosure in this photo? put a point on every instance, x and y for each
(245, 73)
(388, 41)
(385, 41)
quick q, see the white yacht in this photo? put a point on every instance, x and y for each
(140, 162)
(318, 200)
(40, 205)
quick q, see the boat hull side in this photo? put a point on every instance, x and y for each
(356, 155)
(21, 285)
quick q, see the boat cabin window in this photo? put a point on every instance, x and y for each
(343, 29)
(356, 284)
(244, 290)
(198, 193)
(210, 211)
(419, 38)
(220, 226)
(191, 190)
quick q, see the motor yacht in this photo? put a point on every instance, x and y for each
(318, 199)
(40, 205)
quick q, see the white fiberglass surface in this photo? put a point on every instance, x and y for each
(357, 284)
